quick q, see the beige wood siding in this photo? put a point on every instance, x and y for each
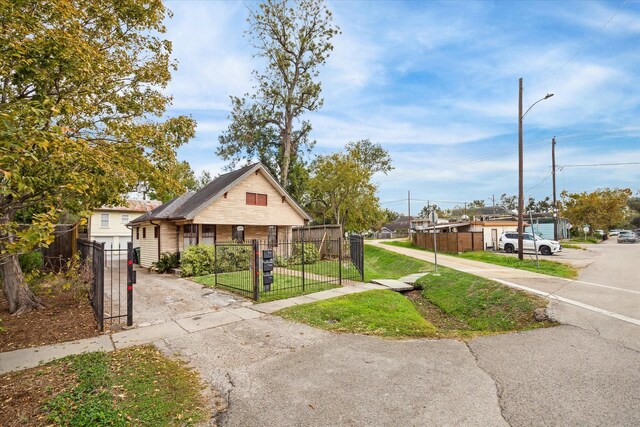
(234, 209)
(168, 238)
(223, 233)
(148, 246)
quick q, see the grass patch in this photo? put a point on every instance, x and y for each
(380, 263)
(590, 240)
(481, 305)
(551, 268)
(135, 386)
(378, 312)
(451, 305)
(283, 286)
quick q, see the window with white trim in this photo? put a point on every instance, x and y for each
(208, 234)
(124, 218)
(104, 220)
(189, 235)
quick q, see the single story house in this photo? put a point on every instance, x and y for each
(108, 224)
(239, 206)
(492, 229)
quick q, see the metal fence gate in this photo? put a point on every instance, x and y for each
(111, 284)
(273, 269)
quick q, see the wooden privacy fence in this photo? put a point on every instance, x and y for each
(325, 237)
(453, 242)
(62, 249)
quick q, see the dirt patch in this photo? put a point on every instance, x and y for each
(433, 313)
(66, 317)
(22, 394)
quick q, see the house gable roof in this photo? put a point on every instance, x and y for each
(189, 204)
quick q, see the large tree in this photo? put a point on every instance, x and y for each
(82, 116)
(294, 39)
(600, 209)
(340, 186)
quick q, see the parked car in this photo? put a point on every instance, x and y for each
(508, 242)
(614, 233)
(627, 236)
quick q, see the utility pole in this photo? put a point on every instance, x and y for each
(520, 175)
(555, 202)
(493, 201)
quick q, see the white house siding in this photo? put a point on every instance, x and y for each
(148, 245)
(116, 233)
(233, 210)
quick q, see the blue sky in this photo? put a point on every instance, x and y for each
(436, 83)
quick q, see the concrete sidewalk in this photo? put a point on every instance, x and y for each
(29, 357)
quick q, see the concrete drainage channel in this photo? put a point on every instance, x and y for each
(402, 284)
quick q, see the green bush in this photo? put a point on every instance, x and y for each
(166, 263)
(198, 260)
(281, 261)
(31, 261)
(233, 258)
(311, 253)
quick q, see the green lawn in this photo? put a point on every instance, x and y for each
(379, 312)
(383, 264)
(478, 304)
(284, 286)
(552, 268)
(135, 386)
(451, 305)
(581, 240)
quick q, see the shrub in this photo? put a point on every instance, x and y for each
(311, 253)
(166, 263)
(281, 261)
(233, 258)
(198, 260)
(31, 261)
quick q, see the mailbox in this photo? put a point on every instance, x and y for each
(267, 279)
(267, 254)
(267, 266)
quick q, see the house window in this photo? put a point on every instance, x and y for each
(137, 233)
(272, 236)
(189, 235)
(255, 199)
(125, 218)
(208, 234)
(104, 220)
(237, 233)
(156, 232)
(144, 232)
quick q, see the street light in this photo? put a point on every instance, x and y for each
(521, 167)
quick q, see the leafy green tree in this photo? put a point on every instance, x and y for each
(427, 209)
(509, 202)
(389, 215)
(82, 116)
(294, 38)
(602, 208)
(340, 187)
(182, 174)
(203, 179)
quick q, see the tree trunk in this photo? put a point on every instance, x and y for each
(286, 151)
(21, 299)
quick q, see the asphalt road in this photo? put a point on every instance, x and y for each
(614, 264)
(270, 371)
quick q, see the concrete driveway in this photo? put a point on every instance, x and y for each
(158, 298)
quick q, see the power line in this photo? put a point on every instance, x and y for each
(599, 164)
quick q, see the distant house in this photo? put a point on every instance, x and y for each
(108, 224)
(543, 226)
(240, 206)
(493, 228)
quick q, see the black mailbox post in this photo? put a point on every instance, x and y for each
(267, 269)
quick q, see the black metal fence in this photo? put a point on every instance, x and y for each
(112, 278)
(268, 270)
